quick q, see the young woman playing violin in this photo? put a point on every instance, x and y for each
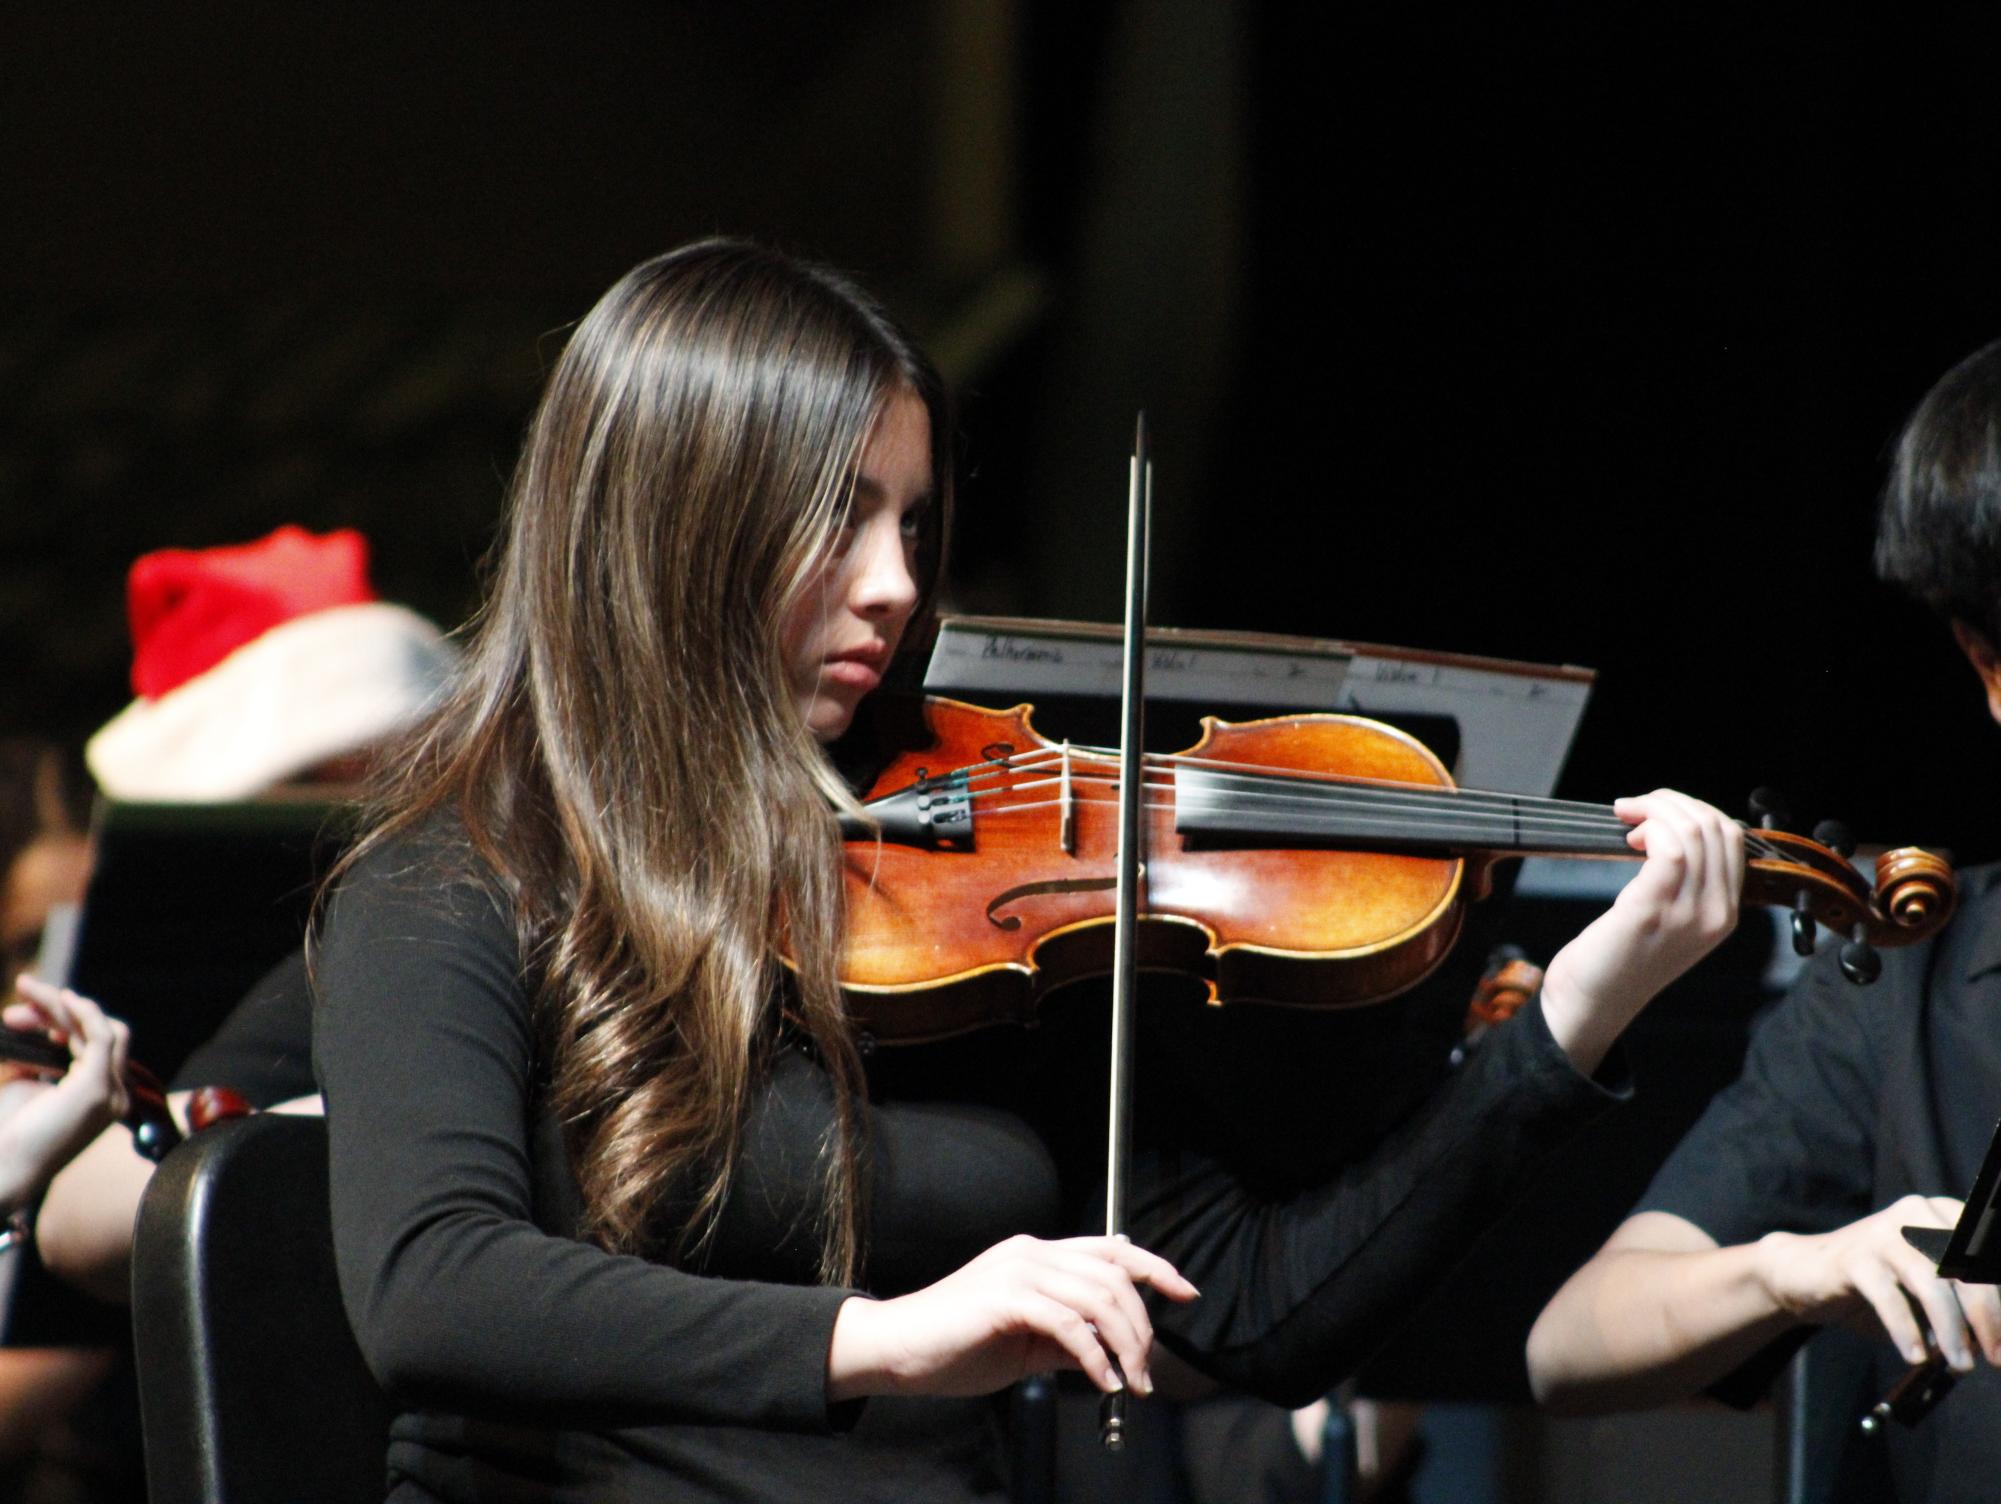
(621, 1208)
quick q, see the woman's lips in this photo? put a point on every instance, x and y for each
(852, 673)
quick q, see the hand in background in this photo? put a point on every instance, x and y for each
(44, 1123)
(1867, 1266)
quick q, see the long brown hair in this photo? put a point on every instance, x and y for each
(621, 745)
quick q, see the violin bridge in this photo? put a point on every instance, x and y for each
(1067, 830)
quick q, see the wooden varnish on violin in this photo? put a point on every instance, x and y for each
(1307, 860)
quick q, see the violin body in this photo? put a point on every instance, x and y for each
(946, 939)
(1307, 860)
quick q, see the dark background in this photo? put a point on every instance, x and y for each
(1575, 337)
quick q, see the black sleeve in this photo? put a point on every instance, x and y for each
(459, 1301)
(264, 1049)
(1790, 1145)
(1297, 1292)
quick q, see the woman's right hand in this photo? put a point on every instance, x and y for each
(1024, 1306)
(1868, 1266)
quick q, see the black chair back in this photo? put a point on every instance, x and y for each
(251, 1388)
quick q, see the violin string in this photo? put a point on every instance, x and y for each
(1231, 771)
(1414, 796)
(1332, 807)
(1347, 780)
(1319, 812)
(1323, 814)
(1293, 778)
(1317, 800)
(1466, 799)
(1312, 795)
(1253, 774)
(1386, 829)
(1395, 827)
(1491, 833)
(1462, 799)
(1277, 801)
(1410, 799)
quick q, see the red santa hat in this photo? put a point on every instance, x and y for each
(255, 662)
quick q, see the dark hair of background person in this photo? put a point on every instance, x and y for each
(1940, 531)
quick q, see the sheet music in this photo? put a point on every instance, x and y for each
(1516, 720)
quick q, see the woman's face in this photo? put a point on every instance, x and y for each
(840, 634)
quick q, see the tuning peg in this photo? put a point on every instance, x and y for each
(1859, 961)
(1803, 926)
(1768, 808)
(1836, 837)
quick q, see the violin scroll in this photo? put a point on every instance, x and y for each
(1914, 894)
(1915, 890)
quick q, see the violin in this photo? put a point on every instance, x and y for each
(147, 1116)
(1305, 860)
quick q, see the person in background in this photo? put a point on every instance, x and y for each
(44, 1124)
(44, 863)
(255, 666)
(1857, 1113)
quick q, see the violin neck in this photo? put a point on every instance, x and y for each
(1223, 807)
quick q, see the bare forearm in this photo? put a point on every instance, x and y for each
(1642, 1326)
(84, 1230)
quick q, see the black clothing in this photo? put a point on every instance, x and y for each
(263, 1051)
(1850, 1098)
(534, 1366)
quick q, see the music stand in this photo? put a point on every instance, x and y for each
(1971, 1251)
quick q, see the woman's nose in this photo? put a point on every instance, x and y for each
(884, 585)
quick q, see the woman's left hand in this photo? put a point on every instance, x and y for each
(44, 1124)
(1674, 912)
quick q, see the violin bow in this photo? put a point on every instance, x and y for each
(1131, 865)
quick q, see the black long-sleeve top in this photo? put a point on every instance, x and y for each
(533, 1366)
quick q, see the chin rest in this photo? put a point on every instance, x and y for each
(251, 1387)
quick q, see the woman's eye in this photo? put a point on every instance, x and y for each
(845, 527)
(912, 525)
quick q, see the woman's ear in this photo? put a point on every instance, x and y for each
(1985, 659)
